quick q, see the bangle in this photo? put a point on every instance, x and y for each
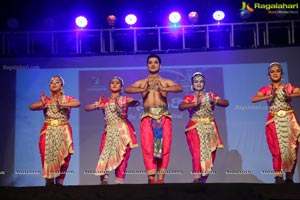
(216, 101)
(96, 106)
(43, 104)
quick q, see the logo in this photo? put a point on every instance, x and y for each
(272, 8)
(246, 6)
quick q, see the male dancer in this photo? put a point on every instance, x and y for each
(156, 124)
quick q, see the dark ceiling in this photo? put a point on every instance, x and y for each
(60, 14)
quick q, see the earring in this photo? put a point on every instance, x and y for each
(192, 88)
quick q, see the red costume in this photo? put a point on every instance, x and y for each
(282, 129)
(117, 140)
(202, 134)
(56, 143)
(156, 139)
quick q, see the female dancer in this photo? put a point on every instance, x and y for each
(119, 135)
(282, 128)
(201, 131)
(56, 143)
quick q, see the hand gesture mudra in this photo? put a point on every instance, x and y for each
(44, 99)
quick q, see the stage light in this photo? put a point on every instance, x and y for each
(131, 19)
(81, 21)
(219, 15)
(245, 14)
(193, 17)
(111, 20)
(174, 17)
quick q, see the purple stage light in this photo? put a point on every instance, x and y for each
(174, 17)
(81, 21)
(131, 19)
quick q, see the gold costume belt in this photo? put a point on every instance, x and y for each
(202, 119)
(156, 111)
(55, 122)
(117, 121)
(281, 113)
(205, 120)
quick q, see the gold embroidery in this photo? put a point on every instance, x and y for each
(156, 113)
(281, 113)
(55, 122)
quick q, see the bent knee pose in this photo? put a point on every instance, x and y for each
(201, 131)
(282, 128)
(119, 135)
(56, 143)
(156, 123)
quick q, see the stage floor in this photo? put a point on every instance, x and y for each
(184, 191)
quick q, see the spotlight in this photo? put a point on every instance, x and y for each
(111, 20)
(130, 19)
(193, 17)
(174, 17)
(81, 21)
(218, 15)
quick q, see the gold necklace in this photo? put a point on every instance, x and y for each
(116, 103)
(152, 86)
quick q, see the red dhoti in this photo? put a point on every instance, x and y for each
(151, 163)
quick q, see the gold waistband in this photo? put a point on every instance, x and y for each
(205, 120)
(156, 111)
(55, 122)
(281, 113)
(202, 119)
(114, 122)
